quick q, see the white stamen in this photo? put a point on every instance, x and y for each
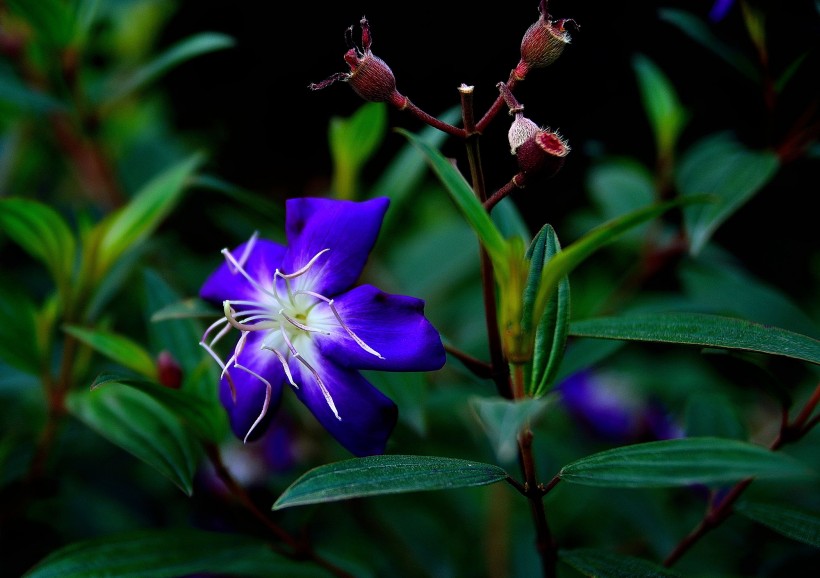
(344, 325)
(325, 392)
(265, 405)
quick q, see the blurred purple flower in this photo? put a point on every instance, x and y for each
(300, 322)
(610, 408)
(719, 9)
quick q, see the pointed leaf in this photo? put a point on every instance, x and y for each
(681, 462)
(118, 348)
(353, 141)
(552, 327)
(147, 553)
(386, 474)
(701, 329)
(141, 426)
(503, 420)
(602, 564)
(180, 52)
(666, 115)
(42, 233)
(788, 521)
(720, 166)
(465, 200)
(142, 215)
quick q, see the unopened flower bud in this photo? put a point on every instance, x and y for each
(369, 75)
(522, 130)
(542, 44)
(543, 153)
(169, 372)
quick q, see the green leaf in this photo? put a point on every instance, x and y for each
(16, 93)
(701, 329)
(193, 552)
(137, 220)
(602, 564)
(697, 29)
(118, 348)
(576, 253)
(204, 416)
(503, 420)
(465, 200)
(385, 474)
(681, 462)
(142, 426)
(353, 141)
(720, 166)
(18, 331)
(666, 115)
(180, 52)
(193, 307)
(551, 332)
(713, 415)
(796, 524)
(42, 233)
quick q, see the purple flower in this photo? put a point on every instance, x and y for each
(719, 9)
(301, 323)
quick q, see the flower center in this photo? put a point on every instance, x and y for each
(287, 315)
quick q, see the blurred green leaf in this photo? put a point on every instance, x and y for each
(182, 51)
(118, 348)
(18, 335)
(42, 233)
(510, 221)
(681, 462)
(137, 220)
(503, 420)
(353, 141)
(192, 552)
(665, 112)
(142, 426)
(701, 329)
(602, 564)
(466, 201)
(698, 30)
(184, 309)
(52, 20)
(205, 417)
(786, 520)
(385, 474)
(22, 97)
(713, 415)
(551, 333)
(720, 166)
(576, 253)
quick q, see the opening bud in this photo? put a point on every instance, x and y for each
(169, 372)
(543, 153)
(543, 42)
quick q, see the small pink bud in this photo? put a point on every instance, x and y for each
(543, 43)
(168, 370)
(543, 153)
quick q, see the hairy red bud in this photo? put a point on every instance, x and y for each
(543, 153)
(543, 43)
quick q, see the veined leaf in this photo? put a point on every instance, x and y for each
(204, 416)
(142, 215)
(353, 141)
(602, 564)
(786, 520)
(146, 553)
(701, 329)
(180, 52)
(142, 426)
(385, 474)
(681, 462)
(118, 348)
(551, 328)
(466, 201)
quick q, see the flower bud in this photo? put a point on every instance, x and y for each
(168, 370)
(542, 44)
(369, 75)
(522, 130)
(544, 153)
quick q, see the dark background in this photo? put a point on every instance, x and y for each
(268, 132)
